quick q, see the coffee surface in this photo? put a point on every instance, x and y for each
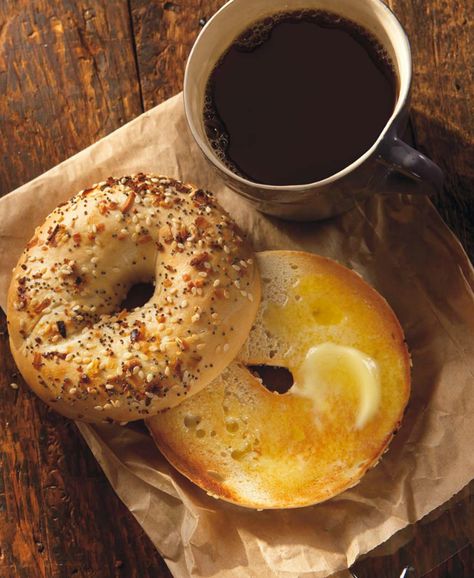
(297, 97)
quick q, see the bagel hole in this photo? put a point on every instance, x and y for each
(137, 296)
(276, 379)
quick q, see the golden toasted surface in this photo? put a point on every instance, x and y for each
(261, 449)
(72, 341)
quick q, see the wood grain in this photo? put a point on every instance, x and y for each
(164, 34)
(70, 73)
(440, 34)
(67, 78)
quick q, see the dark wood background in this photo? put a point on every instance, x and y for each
(72, 71)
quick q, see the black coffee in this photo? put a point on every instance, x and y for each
(298, 97)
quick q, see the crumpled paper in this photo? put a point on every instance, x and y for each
(402, 247)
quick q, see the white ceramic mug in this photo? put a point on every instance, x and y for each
(372, 172)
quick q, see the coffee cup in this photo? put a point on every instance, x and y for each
(388, 165)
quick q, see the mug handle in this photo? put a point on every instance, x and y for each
(409, 162)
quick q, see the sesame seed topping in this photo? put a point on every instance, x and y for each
(147, 221)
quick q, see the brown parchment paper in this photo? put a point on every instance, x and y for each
(402, 247)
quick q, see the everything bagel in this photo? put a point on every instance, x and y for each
(345, 349)
(92, 360)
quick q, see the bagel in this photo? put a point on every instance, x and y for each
(345, 349)
(90, 359)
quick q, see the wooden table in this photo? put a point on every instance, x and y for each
(72, 72)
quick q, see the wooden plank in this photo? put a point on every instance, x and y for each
(440, 34)
(164, 34)
(67, 78)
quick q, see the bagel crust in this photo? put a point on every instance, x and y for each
(74, 344)
(254, 447)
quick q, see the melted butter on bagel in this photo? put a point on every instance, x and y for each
(331, 373)
(260, 449)
(328, 371)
